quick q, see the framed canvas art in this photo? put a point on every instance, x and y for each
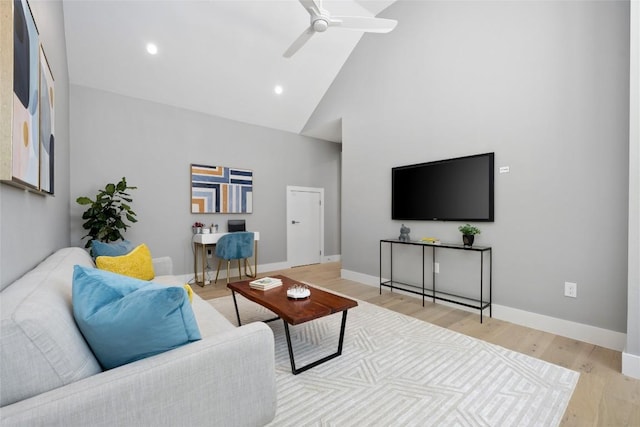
(26, 102)
(220, 189)
(46, 125)
(25, 147)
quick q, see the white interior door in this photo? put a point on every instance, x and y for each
(305, 225)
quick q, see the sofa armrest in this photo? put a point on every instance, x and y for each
(163, 266)
(225, 380)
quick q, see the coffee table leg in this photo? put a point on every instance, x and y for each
(295, 370)
(235, 304)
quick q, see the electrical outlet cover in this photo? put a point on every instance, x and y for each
(570, 289)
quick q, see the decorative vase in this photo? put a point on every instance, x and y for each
(467, 239)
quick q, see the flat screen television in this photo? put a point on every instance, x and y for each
(459, 189)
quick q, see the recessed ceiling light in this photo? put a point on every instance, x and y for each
(278, 89)
(152, 48)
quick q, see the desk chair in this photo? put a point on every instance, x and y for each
(238, 246)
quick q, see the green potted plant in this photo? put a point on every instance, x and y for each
(106, 215)
(468, 232)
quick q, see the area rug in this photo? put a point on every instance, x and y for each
(399, 371)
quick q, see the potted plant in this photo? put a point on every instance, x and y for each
(468, 232)
(105, 217)
(197, 227)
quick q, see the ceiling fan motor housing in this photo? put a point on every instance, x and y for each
(320, 25)
(321, 20)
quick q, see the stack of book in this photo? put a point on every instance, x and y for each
(265, 283)
(431, 240)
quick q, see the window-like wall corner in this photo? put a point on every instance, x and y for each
(631, 355)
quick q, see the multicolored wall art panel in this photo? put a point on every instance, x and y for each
(27, 102)
(47, 121)
(26, 148)
(219, 189)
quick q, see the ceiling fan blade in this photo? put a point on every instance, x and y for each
(363, 23)
(299, 42)
(312, 7)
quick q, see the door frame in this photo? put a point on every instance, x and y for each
(290, 189)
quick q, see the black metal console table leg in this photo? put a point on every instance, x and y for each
(380, 265)
(490, 282)
(481, 277)
(433, 275)
(295, 370)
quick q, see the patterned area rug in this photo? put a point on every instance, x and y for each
(399, 371)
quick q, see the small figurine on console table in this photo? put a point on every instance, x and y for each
(404, 233)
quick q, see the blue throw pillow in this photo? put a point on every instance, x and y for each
(125, 319)
(119, 248)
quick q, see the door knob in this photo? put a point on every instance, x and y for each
(295, 222)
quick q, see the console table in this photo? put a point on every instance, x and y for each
(478, 304)
(202, 241)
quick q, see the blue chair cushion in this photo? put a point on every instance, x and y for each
(119, 248)
(125, 319)
(237, 245)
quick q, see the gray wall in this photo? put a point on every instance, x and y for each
(153, 145)
(545, 86)
(633, 311)
(33, 226)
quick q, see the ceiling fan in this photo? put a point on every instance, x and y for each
(321, 20)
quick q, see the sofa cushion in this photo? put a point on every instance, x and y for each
(137, 263)
(187, 288)
(42, 348)
(210, 321)
(125, 319)
(121, 247)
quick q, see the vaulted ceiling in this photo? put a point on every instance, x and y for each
(217, 57)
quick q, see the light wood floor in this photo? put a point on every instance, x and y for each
(603, 396)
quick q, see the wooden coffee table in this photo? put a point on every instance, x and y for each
(294, 312)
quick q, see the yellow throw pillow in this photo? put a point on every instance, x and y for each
(189, 292)
(137, 263)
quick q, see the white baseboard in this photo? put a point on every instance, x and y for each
(630, 365)
(578, 331)
(360, 277)
(273, 266)
(330, 258)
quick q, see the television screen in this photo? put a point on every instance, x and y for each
(459, 189)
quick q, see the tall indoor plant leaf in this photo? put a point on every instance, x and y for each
(106, 215)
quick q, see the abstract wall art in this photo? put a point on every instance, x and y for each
(46, 125)
(26, 102)
(220, 189)
(26, 150)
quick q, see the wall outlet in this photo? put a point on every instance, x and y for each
(570, 289)
(436, 267)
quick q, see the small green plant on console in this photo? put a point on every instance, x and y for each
(106, 215)
(469, 230)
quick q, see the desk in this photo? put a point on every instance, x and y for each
(201, 241)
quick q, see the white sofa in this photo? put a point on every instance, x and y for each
(49, 376)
